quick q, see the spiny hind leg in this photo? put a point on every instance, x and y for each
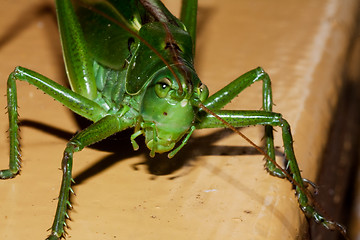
(102, 129)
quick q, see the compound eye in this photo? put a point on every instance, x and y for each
(203, 92)
(162, 87)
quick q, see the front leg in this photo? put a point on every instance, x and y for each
(230, 91)
(94, 133)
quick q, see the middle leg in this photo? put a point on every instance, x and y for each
(246, 118)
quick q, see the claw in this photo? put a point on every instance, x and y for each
(334, 226)
(312, 184)
(331, 225)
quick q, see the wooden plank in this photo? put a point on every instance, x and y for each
(222, 192)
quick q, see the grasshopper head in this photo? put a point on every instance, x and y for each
(168, 114)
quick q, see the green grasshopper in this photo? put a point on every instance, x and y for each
(146, 82)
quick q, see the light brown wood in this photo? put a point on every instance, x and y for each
(301, 44)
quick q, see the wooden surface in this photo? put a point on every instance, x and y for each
(222, 192)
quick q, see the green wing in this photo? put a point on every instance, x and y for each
(106, 25)
(112, 29)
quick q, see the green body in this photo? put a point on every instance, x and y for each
(126, 81)
(130, 65)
